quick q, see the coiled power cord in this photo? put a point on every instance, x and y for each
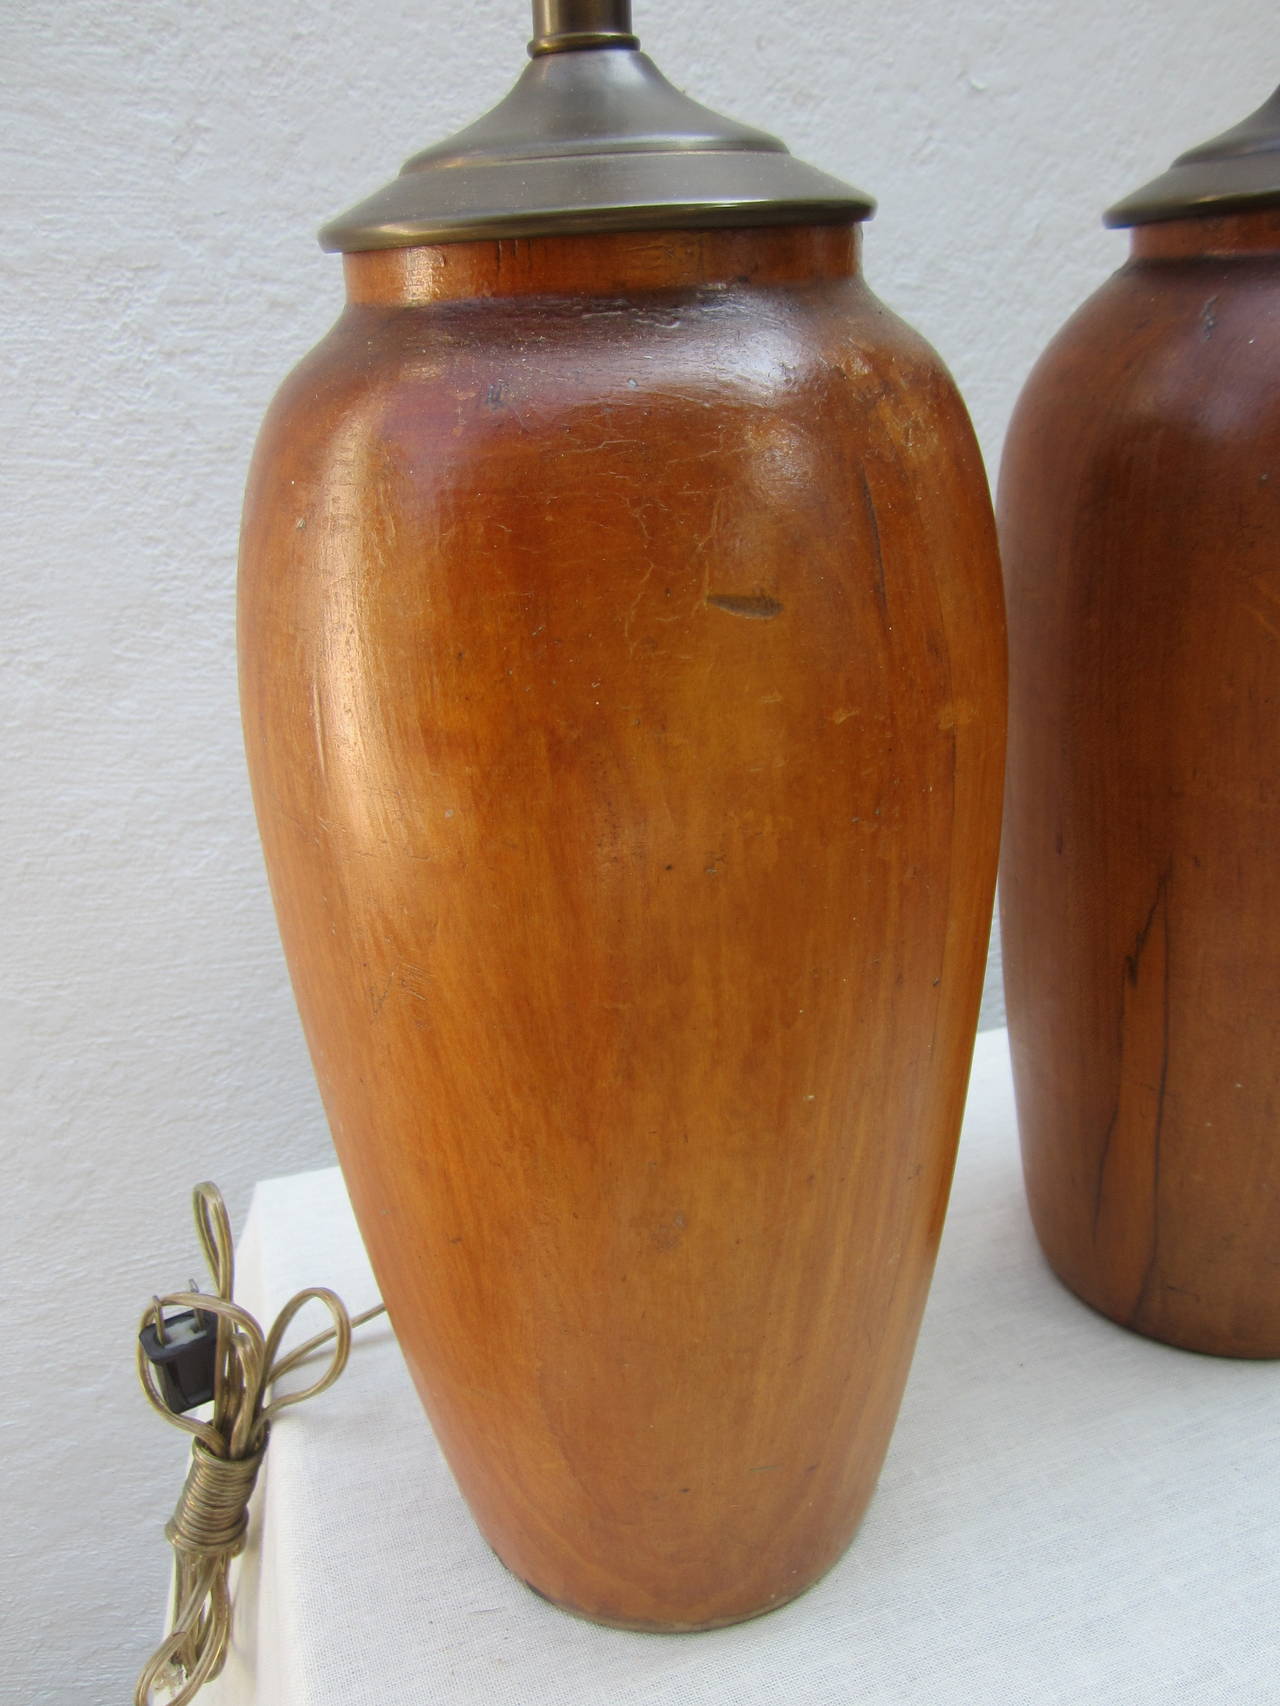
(196, 1348)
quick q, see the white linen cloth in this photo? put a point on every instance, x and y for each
(1069, 1515)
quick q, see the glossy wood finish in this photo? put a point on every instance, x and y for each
(1140, 887)
(623, 686)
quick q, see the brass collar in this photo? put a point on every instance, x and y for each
(593, 138)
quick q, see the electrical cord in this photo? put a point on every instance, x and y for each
(194, 1348)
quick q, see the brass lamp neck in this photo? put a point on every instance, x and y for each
(560, 26)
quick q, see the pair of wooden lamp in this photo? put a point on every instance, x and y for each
(623, 671)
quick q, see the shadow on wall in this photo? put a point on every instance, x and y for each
(991, 1013)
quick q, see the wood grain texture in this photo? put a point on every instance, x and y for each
(1140, 884)
(622, 676)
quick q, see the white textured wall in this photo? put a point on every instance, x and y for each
(163, 169)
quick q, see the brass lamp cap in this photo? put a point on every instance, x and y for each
(1236, 172)
(593, 138)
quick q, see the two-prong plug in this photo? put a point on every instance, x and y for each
(183, 1349)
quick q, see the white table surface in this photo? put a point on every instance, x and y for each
(1069, 1515)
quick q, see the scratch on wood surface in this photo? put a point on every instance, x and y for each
(874, 524)
(756, 605)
